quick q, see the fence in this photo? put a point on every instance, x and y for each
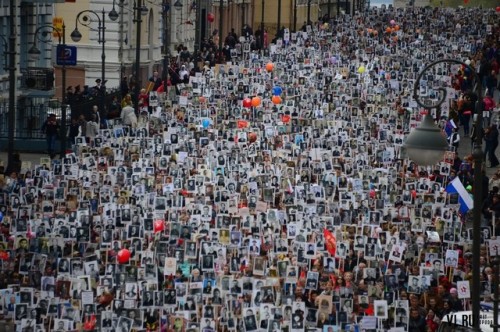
(30, 117)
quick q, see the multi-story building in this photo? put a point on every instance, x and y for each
(33, 76)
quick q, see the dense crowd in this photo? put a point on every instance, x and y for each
(269, 193)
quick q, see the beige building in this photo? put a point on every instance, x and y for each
(121, 37)
(293, 13)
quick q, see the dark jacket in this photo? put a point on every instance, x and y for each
(417, 325)
(50, 127)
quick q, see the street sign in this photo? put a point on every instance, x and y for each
(66, 55)
(57, 24)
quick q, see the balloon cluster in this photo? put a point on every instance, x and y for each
(277, 91)
(251, 102)
(393, 27)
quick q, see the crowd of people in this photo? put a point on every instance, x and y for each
(269, 193)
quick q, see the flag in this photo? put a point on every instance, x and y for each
(456, 187)
(290, 187)
(330, 242)
(450, 125)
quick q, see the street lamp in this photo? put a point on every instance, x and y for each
(140, 10)
(178, 5)
(426, 146)
(62, 47)
(76, 36)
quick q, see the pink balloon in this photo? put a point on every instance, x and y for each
(393, 22)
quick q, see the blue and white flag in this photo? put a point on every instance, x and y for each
(466, 202)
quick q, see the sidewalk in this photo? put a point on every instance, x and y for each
(465, 149)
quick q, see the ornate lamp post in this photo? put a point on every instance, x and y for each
(426, 145)
(84, 18)
(62, 43)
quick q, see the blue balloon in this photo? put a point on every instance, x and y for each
(205, 123)
(277, 91)
(1, 216)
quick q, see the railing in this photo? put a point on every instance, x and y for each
(30, 117)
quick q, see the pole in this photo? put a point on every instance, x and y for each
(496, 272)
(308, 12)
(221, 13)
(102, 28)
(12, 83)
(262, 25)
(63, 97)
(242, 17)
(166, 51)
(197, 37)
(328, 12)
(138, 54)
(295, 15)
(338, 8)
(278, 28)
(478, 203)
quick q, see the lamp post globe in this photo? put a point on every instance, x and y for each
(76, 36)
(113, 15)
(426, 144)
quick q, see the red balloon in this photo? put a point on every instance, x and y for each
(123, 256)
(498, 9)
(210, 17)
(247, 102)
(285, 118)
(159, 225)
(4, 255)
(252, 137)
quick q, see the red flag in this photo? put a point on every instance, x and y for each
(369, 311)
(330, 241)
